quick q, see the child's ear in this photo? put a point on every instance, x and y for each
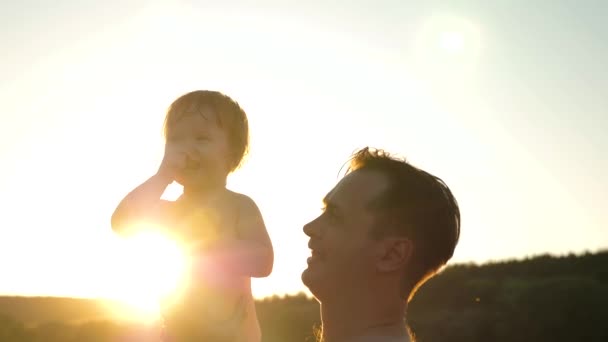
(395, 253)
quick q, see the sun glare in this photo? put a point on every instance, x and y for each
(452, 42)
(447, 49)
(152, 267)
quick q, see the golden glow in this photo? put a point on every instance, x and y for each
(123, 80)
(153, 268)
(82, 126)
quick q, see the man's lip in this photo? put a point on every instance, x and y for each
(315, 252)
(313, 245)
(311, 260)
(315, 257)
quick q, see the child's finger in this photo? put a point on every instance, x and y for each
(193, 159)
(180, 159)
(193, 154)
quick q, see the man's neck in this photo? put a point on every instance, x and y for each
(344, 320)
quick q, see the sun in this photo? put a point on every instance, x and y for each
(447, 49)
(151, 267)
(452, 42)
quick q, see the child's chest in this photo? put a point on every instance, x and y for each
(204, 223)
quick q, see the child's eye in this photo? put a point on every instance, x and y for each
(201, 138)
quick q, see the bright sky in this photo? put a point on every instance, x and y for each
(505, 100)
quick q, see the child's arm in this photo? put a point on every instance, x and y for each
(140, 205)
(143, 204)
(251, 254)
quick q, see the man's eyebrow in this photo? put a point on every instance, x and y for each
(327, 203)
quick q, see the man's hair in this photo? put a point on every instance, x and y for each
(416, 205)
(228, 113)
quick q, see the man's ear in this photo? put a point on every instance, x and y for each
(395, 253)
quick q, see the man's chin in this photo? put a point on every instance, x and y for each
(311, 280)
(307, 277)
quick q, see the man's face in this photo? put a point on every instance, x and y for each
(343, 252)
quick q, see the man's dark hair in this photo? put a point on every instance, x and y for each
(416, 205)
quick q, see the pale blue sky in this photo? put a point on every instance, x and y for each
(511, 112)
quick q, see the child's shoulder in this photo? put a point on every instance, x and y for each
(250, 219)
(240, 200)
(244, 205)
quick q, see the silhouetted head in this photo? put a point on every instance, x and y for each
(211, 126)
(387, 225)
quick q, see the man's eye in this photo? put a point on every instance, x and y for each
(331, 213)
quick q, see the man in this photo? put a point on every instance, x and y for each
(386, 228)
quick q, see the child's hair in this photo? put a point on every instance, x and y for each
(229, 115)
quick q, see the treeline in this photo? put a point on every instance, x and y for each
(544, 298)
(540, 299)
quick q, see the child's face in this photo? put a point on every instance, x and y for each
(198, 134)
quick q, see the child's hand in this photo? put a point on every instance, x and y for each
(174, 160)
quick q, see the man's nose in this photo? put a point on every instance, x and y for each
(312, 228)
